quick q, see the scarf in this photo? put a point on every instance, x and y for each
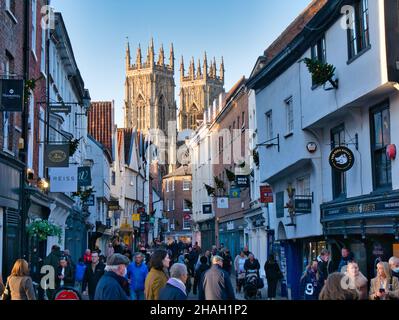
(178, 284)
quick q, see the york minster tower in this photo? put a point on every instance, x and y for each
(149, 90)
(198, 89)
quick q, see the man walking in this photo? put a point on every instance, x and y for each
(92, 276)
(113, 283)
(137, 272)
(216, 283)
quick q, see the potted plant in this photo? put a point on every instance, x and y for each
(42, 229)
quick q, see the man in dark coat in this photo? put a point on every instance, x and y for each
(346, 256)
(175, 288)
(324, 266)
(252, 264)
(93, 274)
(112, 285)
(53, 260)
(216, 283)
(65, 274)
(204, 266)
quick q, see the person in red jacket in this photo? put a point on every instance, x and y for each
(87, 257)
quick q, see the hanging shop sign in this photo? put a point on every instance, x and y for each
(342, 159)
(84, 177)
(223, 203)
(113, 205)
(235, 193)
(242, 181)
(266, 194)
(135, 217)
(12, 95)
(56, 156)
(206, 209)
(303, 205)
(63, 179)
(60, 108)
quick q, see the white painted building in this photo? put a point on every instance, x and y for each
(358, 208)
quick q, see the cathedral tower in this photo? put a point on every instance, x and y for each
(198, 89)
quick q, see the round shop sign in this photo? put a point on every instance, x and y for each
(342, 159)
(57, 156)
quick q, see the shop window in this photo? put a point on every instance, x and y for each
(280, 204)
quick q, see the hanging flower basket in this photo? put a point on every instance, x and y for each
(42, 229)
(321, 72)
(84, 195)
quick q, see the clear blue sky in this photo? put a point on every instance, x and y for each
(235, 29)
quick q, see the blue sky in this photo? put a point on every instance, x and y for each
(235, 29)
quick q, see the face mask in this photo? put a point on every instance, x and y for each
(396, 270)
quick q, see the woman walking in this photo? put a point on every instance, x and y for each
(384, 286)
(239, 263)
(357, 279)
(158, 275)
(273, 275)
(19, 284)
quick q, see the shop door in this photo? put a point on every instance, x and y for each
(12, 241)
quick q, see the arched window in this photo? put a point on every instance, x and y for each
(141, 113)
(193, 117)
(161, 113)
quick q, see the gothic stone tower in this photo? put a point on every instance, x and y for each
(198, 90)
(150, 91)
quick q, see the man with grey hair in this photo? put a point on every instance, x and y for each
(175, 288)
(216, 283)
(113, 285)
(394, 265)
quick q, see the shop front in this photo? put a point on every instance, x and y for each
(367, 225)
(231, 234)
(76, 234)
(207, 230)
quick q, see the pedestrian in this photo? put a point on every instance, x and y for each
(311, 282)
(158, 275)
(356, 280)
(87, 256)
(94, 272)
(324, 264)
(384, 286)
(80, 274)
(273, 275)
(333, 289)
(65, 275)
(246, 251)
(19, 285)
(53, 260)
(252, 264)
(239, 263)
(227, 261)
(216, 283)
(394, 265)
(110, 250)
(1, 286)
(69, 259)
(203, 267)
(175, 288)
(192, 257)
(346, 256)
(113, 285)
(137, 272)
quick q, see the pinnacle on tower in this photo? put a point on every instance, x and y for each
(172, 57)
(214, 67)
(182, 68)
(199, 69)
(222, 70)
(152, 53)
(161, 58)
(138, 58)
(192, 69)
(128, 57)
(205, 71)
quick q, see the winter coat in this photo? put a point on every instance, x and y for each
(325, 268)
(91, 279)
(197, 276)
(110, 287)
(227, 263)
(87, 258)
(80, 272)
(155, 281)
(344, 261)
(375, 287)
(21, 288)
(216, 285)
(137, 275)
(171, 292)
(53, 259)
(254, 265)
(311, 285)
(69, 280)
(272, 271)
(361, 285)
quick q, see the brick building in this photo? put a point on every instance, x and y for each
(176, 190)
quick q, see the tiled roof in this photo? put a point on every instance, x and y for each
(101, 123)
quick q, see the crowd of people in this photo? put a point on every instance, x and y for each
(173, 271)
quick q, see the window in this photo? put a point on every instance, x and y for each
(167, 186)
(186, 206)
(43, 52)
(380, 138)
(113, 178)
(280, 204)
(269, 125)
(34, 14)
(186, 184)
(303, 186)
(173, 205)
(173, 184)
(186, 224)
(358, 31)
(319, 50)
(338, 178)
(289, 111)
(167, 205)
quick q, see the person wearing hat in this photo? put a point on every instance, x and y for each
(113, 285)
(216, 283)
